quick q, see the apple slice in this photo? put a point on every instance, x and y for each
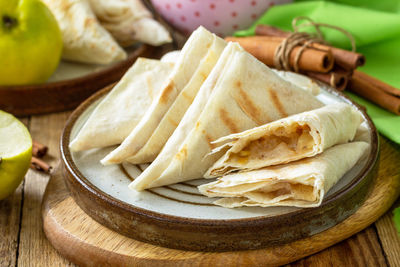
(15, 153)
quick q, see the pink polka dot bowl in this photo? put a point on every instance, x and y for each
(222, 17)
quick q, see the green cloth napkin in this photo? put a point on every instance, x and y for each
(376, 28)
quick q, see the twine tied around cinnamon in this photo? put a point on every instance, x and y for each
(283, 51)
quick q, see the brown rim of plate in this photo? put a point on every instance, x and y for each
(66, 94)
(102, 196)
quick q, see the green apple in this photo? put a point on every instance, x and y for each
(30, 42)
(15, 153)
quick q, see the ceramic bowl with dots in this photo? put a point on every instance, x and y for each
(222, 17)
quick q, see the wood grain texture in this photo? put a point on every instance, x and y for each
(10, 209)
(34, 249)
(388, 235)
(86, 242)
(362, 249)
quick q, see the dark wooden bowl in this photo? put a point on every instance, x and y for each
(211, 234)
(68, 94)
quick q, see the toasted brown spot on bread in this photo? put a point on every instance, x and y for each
(238, 84)
(203, 76)
(167, 91)
(89, 22)
(65, 6)
(182, 154)
(249, 108)
(209, 139)
(229, 122)
(277, 103)
(172, 121)
(187, 97)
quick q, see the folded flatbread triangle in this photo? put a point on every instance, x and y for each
(129, 21)
(246, 94)
(295, 137)
(84, 39)
(174, 115)
(173, 144)
(302, 183)
(195, 62)
(124, 106)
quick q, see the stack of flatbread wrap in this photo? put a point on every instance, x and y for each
(216, 111)
(293, 161)
(94, 30)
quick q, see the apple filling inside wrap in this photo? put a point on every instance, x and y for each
(274, 191)
(289, 139)
(265, 188)
(302, 183)
(283, 143)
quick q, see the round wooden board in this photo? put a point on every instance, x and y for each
(167, 219)
(67, 94)
(85, 242)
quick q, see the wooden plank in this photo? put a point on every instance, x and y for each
(362, 249)
(387, 233)
(10, 209)
(10, 216)
(389, 238)
(34, 249)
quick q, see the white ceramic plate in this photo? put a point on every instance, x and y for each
(184, 200)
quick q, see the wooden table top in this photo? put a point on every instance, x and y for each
(23, 242)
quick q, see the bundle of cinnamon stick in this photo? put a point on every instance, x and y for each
(328, 64)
